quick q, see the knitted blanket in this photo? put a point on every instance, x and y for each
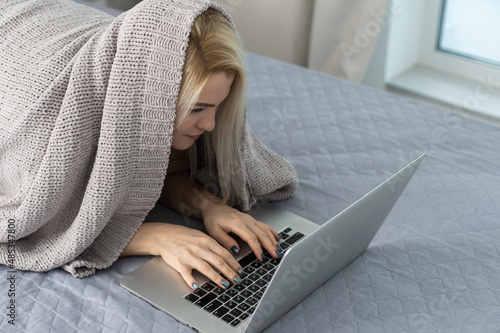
(87, 109)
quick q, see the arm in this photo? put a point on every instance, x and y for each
(188, 197)
(186, 249)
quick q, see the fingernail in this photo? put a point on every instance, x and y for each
(279, 254)
(235, 250)
(263, 258)
(225, 283)
(279, 247)
(242, 273)
(195, 286)
(237, 280)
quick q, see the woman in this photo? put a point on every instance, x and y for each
(214, 64)
(98, 117)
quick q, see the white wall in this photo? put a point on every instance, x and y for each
(278, 29)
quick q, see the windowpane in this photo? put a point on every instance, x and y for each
(471, 28)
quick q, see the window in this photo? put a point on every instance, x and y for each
(446, 50)
(470, 29)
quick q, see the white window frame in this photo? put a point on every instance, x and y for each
(414, 64)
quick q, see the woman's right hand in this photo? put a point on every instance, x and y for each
(185, 249)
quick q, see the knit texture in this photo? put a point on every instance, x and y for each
(87, 109)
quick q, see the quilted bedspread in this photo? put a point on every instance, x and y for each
(434, 266)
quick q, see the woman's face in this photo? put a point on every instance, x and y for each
(202, 116)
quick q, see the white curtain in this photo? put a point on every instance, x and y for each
(333, 36)
(343, 36)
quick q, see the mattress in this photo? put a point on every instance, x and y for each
(434, 266)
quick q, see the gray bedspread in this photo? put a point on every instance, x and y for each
(434, 266)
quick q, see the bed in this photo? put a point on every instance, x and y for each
(434, 266)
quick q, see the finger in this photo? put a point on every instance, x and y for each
(271, 234)
(253, 241)
(188, 277)
(275, 234)
(226, 264)
(227, 241)
(212, 253)
(269, 242)
(205, 268)
(240, 228)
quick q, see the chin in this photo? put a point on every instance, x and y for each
(182, 146)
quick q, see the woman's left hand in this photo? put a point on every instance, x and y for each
(221, 219)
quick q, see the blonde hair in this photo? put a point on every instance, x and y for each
(214, 46)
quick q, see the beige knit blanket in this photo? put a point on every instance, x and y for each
(87, 107)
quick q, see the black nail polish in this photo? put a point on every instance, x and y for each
(235, 250)
(263, 258)
(242, 273)
(225, 283)
(279, 254)
(237, 280)
(279, 248)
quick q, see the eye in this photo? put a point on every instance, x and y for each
(196, 110)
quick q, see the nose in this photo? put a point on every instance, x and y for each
(207, 121)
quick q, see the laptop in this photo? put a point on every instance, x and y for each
(312, 255)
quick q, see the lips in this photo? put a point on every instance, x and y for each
(193, 137)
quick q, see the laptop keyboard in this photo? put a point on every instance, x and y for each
(238, 302)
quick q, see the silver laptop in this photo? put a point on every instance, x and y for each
(312, 255)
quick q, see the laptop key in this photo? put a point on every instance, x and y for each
(223, 298)
(208, 286)
(246, 293)
(235, 322)
(251, 301)
(261, 271)
(275, 261)
(253, 288)
(287, 230)
(220, 311)
(228, 318)
(249, 269)
(232, 292)
(231, 304)
(206, 299)
(199, 292)
(256, 264)
(238, 287)
(192, 297)
(212, 306)
(267, 277)
(268, 266)
(238, 299)
(284, 246)
(218, 290)
(244, 316)
(235, 312)
(261, 283)
(243, 307)
(294, 238)
(246, 282)
(253, 277)
(283, 235)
